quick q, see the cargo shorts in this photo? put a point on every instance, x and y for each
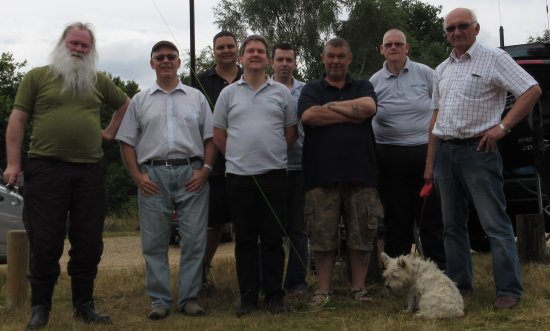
(357, 205)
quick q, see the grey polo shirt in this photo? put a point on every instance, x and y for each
(167, 125)
(255, 123)
(404, 111)
(295, 152)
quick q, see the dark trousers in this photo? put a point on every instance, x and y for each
(257, 205)
(296, 231)
(63, 199)
(401, 171)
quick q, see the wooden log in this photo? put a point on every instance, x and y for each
(531, 240)
(18, 267)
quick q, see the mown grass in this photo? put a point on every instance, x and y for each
(120, 292)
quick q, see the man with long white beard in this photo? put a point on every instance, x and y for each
(64, 189)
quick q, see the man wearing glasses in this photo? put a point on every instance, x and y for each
(404, 92)
(166, 145)
(469, 95)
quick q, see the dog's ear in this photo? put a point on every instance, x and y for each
(402, 262)
(385, 259)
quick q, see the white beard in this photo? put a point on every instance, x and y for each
(77, 71)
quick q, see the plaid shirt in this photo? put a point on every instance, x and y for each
(470, 91)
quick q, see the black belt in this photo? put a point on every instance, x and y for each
(171, 162)
(466, 141)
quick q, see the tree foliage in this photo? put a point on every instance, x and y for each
(10, 78)
(306, 24)
(544, 37)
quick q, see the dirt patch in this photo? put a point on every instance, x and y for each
(123, 252)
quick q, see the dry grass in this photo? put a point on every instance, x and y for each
(120, 292)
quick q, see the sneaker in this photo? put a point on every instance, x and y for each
(158, 313)
(192, 308)
(506, 302)
(319, 299)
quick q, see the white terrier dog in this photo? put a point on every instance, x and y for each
(430, 291)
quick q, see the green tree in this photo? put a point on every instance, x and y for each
(542, 38)
(306, 24)
(368, 20)
(10, 78)
(204, 61)
(119, 185)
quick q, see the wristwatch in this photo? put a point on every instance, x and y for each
(505, 129)
(208, 166)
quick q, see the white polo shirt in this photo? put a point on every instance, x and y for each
(255, 122)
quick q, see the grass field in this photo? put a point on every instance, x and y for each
(120, 292)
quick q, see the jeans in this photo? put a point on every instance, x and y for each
(296, 232)
(257, 205)
(154, 217)
(462, 172)
(63, 199)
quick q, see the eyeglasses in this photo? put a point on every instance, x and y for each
(461, 26)
(160, 57)
(396, 45)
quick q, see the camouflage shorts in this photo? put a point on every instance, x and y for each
(358, 206)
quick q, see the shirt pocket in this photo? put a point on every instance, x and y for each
(474, 86)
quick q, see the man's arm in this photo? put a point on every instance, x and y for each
(14, 140)
(129, 158)
(356, 109)
(220, 139)
(196, 182)
(324, 116)
(521, 108)
(110, 131)
(430, 157)
(291, 135)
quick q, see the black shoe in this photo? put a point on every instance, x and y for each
(276, 307)
(246, 308)
(87, 314)
(39, 318)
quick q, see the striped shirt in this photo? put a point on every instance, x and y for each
(470, 91)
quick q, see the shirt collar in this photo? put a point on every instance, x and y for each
(388, 73)
(180, 87)
(269, 81)
(470, 53)
(325, 84)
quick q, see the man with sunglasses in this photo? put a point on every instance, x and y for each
(404, 92)
(469, 96)
(166, 145)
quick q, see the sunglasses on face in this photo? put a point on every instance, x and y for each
(160, 57)
(396, 45)
(461, 26)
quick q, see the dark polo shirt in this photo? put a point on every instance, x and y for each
(340, 152)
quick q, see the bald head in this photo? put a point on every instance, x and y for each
(464, 12)
(394, 33)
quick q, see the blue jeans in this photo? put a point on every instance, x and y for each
(192, 217)
(461, 172)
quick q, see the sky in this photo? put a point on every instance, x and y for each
(127, 29)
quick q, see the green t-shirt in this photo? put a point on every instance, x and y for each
(65, 127)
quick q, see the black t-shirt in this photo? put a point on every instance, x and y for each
(211, 85)
(340, 152)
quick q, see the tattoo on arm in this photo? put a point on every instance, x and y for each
(354, 110)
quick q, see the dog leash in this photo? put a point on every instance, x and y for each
(424, 194)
